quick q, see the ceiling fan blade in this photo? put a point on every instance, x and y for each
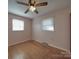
(22, 3)
(26, 11)
(42, 4)
(36, 11)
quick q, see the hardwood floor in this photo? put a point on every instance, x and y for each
(35, 50)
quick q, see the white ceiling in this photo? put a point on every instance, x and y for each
(18, 9)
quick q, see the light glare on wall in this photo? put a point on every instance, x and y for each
(17, 25)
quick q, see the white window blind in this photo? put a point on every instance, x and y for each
(48, 24)
(17, 25)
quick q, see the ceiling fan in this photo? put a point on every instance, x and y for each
(32, 5)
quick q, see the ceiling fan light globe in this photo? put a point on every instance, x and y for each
(32, 8)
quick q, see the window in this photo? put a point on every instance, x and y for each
(17, 25)
(48, 24)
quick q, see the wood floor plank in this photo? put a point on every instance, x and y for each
(35, 50)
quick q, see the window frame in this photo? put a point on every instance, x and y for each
(53, 24)
(17, 28)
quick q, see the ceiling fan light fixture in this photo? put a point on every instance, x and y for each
(32, 4)
(32, 8)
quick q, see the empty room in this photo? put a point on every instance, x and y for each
(39, 29)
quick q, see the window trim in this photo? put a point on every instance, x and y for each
(53, 25)
(14, 25)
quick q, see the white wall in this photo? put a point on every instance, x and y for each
(61, 36)
(19, 36)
